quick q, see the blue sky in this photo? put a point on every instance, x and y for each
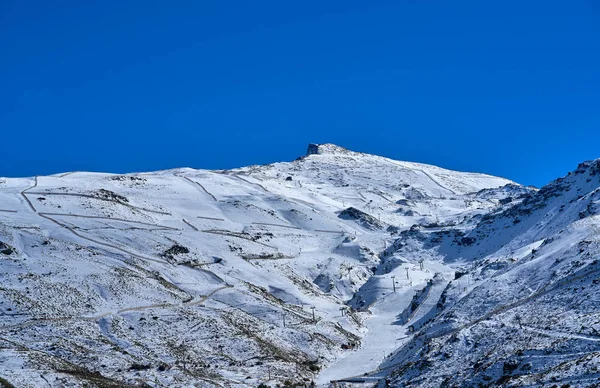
(509, 88)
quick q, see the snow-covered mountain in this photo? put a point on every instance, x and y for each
(336, 266)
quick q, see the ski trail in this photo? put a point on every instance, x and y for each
(263, 188)
(123, 250)
(436, 182)
(378, 373)
(211, 218)
(108, 218)
(94, 197)
(199, 185)
(116, 312)
(190, 225)
(27, 199)
(43, 215)
(67, 174)
(385, 335)
(552, 333)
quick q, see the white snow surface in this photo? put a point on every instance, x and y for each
(285, 272)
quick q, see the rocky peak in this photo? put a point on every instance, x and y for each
(320, 149)
(593, 166)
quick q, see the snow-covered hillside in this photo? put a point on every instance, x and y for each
(312, 270)
(524, 310)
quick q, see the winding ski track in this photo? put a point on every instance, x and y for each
(105, 244)
(115, 247)
(116, 312)
(73, 231)
(27, 199)
(94, 197)
(108, 218)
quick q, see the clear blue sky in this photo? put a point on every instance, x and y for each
(510, 88)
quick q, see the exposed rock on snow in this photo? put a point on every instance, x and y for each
(362, 218)
(6, 249)
(319, 149)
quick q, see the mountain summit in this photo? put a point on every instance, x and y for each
(319, 149)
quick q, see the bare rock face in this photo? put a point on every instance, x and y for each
(6, 249)
(362, 218)
(320, 149)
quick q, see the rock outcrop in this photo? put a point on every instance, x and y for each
(320, 149)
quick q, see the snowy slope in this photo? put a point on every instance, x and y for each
(263, 274)
(525, 312)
